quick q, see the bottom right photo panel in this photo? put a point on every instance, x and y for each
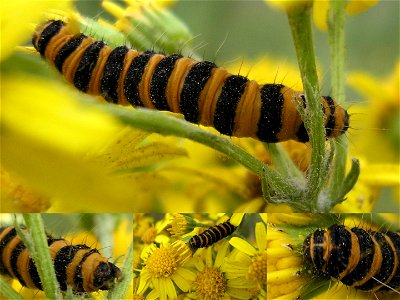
(332, 256)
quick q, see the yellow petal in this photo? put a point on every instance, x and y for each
(236, 218)
(17, 17)
(242, 245)
(320, 14)
(261, 236)
(282, 276)
(45, 135)
(358, 6)
(289, 4)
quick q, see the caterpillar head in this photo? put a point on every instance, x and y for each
(105, 275)
(336, 118)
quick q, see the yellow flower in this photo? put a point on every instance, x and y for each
(212, 282)
(375, 138)
(248, 264)
(181, 224)
(14, 31)
(320, 10)
(45, 144)
(149, 25)
(288, 5)
(376, 117)
(164, 267)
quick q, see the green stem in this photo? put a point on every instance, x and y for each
(282, 162)
(121, 288)
(336, 32)
(348, 182)
(300, 24)
(39, 251)
(159, 122)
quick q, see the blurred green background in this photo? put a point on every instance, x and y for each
(250, 29)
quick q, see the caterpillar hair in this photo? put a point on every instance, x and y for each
(78, 266)
(204, 93)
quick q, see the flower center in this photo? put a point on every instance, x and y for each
(210, 284)
(258, 268)
(163, 262)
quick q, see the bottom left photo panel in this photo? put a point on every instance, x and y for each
(66, 256)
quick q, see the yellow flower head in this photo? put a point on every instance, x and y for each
(212, 281)
(164, 267)
(181, 224)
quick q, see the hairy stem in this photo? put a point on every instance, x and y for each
(300, 24)
(336, 32)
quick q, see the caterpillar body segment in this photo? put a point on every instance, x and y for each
(78, 266)
(204, 93)
(211, 235)
(364, 259)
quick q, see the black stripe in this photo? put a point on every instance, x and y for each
(395, 281)
(270, 122)
(216, 232)
(3, 244)
(195, 241)
(111, 74)
(367, 251)
(83, 73)
(302, 134)
(193, 84)
(346, 122)
(133, 77)
(159, 81)
(307, 250)
(34, 275)
(78, 277)
(64, 257)
(51, 30)
(67, 49)
(13, 261)
(318, 239)
(231, 227)
(210, 237)
(339, 255)
(387, 265)
(225, 110)
(330, 124)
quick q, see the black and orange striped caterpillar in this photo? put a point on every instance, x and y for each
(78, 266)
(211, 235)
(204, 93)
(364, 259)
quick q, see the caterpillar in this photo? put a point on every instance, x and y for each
(364, 259)
(77, 266)
(211, 235)
(204, 93)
